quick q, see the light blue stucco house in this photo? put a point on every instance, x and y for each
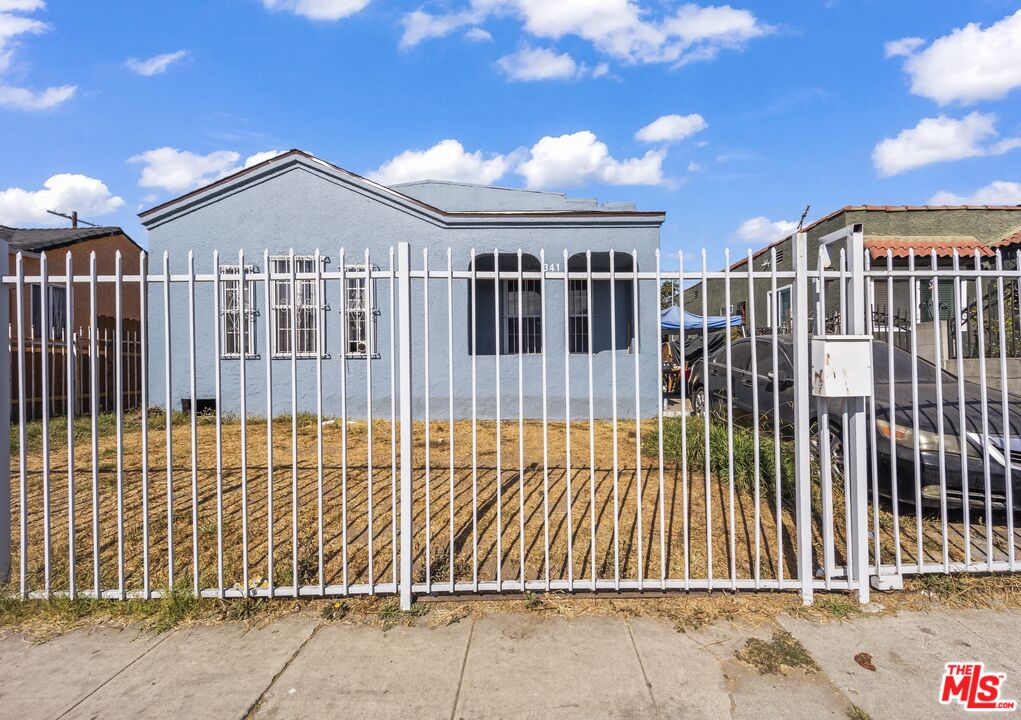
(297, 201)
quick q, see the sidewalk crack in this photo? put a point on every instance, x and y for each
(641, 666)
(250, 713)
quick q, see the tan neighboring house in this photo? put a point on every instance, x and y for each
(56, 244)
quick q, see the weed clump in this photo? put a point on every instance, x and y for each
(770, 657)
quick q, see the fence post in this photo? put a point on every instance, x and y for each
(5, 425)
(802, 442)
(404, 345)
(858, 430)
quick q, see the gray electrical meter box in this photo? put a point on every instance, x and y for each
(842, 366)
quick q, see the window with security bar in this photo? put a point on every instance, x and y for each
(530, 317)
(237, 315)
(360, 314)
(577, 316)
(306, 306)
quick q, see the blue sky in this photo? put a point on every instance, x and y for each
(116, 106)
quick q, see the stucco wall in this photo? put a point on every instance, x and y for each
(304, 210)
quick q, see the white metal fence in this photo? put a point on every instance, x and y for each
(739, 480)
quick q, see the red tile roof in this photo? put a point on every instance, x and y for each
(901, 247)
(1013, 240)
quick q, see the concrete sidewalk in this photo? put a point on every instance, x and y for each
(523, 666)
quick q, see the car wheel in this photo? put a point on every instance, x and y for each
(698, 400)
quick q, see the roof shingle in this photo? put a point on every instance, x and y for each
(40, 239)
(944, 245)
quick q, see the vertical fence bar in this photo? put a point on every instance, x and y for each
(962, 435)
(450, 405)
(685, 490)
(870, 305)
(984, 402)
(168, 414)
(892, 419)
(475, 425)
(938, 354)
(404, 258)
(218, 418)
(659, 428)
(774, 313)
(912, 313)
(823, 438)
(320, 318)
(545, 421)
(1006, 434)
(591, 420)
(370, 352)
(344, 350)
(638, 416)
(732, 498)
(268, 284)
(194, 426)
(613, 391)
(5, 424)
(19, 304)
(394, 562)
(803, 468)
(143, 370)
(756, 420)
(499, 421)
(94, 419)
(69, 410)
(521, 427)
(44, 372)
(119, 406)
(293, 313)
(428, 419)
(243, 314)
(707, 476)
(855, 470)
(567, 416)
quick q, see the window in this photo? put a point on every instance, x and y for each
(57, 298)
(779, 309)
(359, 310)
(577, 316)
(306, 306)
(237, 319)
(530, 317)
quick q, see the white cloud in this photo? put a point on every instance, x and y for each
(671, 128)
(176, 170)
(762, 231)
(261, 157)
(446, 160)
(62, 193)
(581, 158)
(998, 192)
(618, 28)
(11, 27)
(938, 140)
(539, 64)
(24, 99)
(694, 167)
(969, 64)
(318, 9)
(478, 34)
(155, 65)
(905, 47)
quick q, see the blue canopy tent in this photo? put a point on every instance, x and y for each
(671, 319)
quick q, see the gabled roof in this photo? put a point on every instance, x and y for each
(943, 245)
(40, 239)
(286, 161)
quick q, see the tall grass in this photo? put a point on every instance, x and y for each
(720, 457)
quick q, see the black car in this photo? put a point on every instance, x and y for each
(1003, 448)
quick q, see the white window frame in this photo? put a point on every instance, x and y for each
(531, 317)
(360, 309)
(578, 315)
(57, 310)
(280, 306)
(232, 310)
(772, 305)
